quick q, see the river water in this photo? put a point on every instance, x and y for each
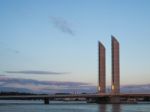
(39, 106)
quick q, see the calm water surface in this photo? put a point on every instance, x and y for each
(38, 106)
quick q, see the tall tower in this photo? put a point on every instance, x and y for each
(101, 57)
(115, 66)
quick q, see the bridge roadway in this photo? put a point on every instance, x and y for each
(46, 98)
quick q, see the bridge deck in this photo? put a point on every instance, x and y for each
(72, 96)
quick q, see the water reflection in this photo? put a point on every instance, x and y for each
(111, 108)
(116, 108)
(102, 108)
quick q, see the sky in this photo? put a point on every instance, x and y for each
(57, 40)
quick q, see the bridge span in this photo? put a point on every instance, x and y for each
(96, 98)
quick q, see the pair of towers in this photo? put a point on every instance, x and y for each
(115, 84)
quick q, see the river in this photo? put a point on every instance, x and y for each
(39, 106)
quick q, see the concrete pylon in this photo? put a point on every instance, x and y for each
(101, 72)
(115, 66)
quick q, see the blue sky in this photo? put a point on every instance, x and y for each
(61, 36)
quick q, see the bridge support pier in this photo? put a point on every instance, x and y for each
(46, 100)
(115, 100)
(102, 100)
(105, 100)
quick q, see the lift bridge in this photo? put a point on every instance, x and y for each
(101, 97)
(94, 98)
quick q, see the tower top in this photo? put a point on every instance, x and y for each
(100, 44)
(113, 38)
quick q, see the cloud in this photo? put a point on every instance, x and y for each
(36, 86)
(51, 87)
(141, 88)
(62, 25)
(37, 82)
(13, 50)
(2, 75)
(35, 72)
(9, 48)
(145, 88)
